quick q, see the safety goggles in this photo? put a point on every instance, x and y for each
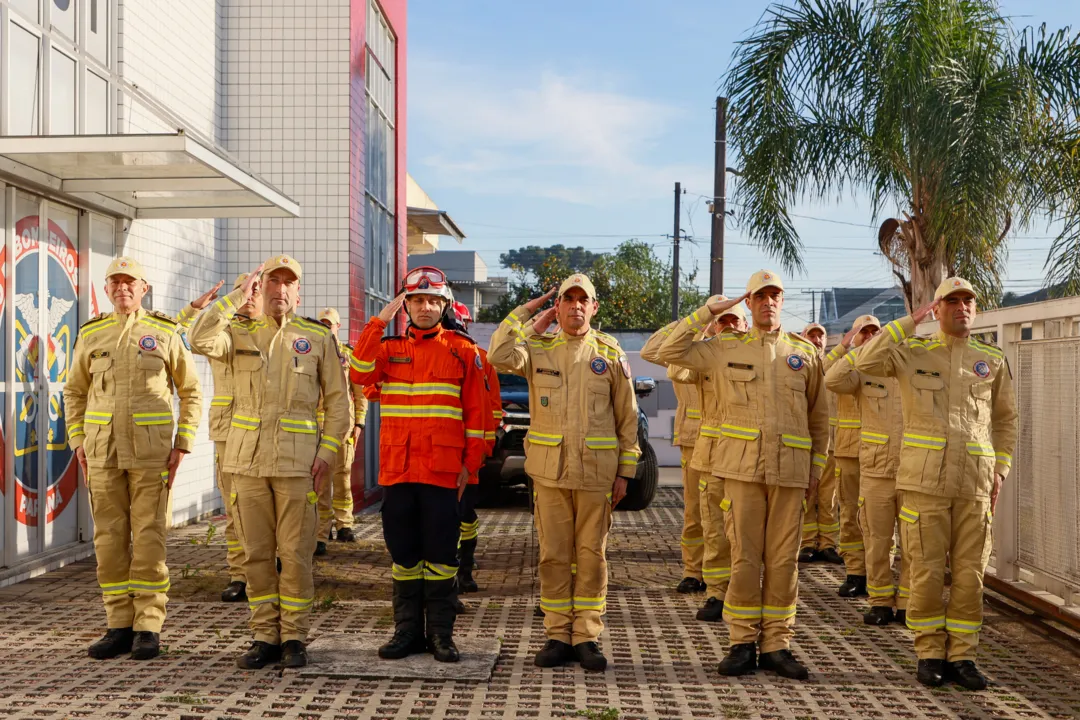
(423, 278)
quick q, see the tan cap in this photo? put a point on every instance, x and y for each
(125, 266)
(282, 261)
(736, 310)
(240, 280)
(329, 314)
(579, 281)
(815, 326)
(954, 285)
(866, 321)
(763, 279)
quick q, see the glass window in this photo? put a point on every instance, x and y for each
(24, 80)
(379, 137)
(95, 14)
(28, 8)
(96, 120)
(62, 17)
(61, 94)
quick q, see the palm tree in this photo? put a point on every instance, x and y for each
(939, 110)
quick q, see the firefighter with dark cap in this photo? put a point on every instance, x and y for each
(221, 407)
(459, 319)
(335, 498)
(281, 365)
(959, 437)
(434, 414)
(129, 442)
(581, 450)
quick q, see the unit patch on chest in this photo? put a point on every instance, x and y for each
(301, 345)
(982, 369)
(598, 366)
(148, 343)
(795, 362)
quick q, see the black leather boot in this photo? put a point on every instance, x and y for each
(590, 657)
(466, 583)
(235, 592)
(117, 641)
(931, 672)
(258, 656)
(879, 616)
(293, 654)
(808, 555)
(408, 621)
(854, 586)
(965, 674)
(146, 646)
(712, 611)
(345, 535)
(443, 648)
(690, 585)
(741, 660)
(830, 555)
(784, 664)
(553, 654)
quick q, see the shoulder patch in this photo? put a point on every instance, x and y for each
(97, 318)
(313, 325)
(465, 335)
(607, 340)
(388, 338)
(163, 316)
(798, 341)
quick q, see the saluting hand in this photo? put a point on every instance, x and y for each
(319, 468)
(850, 335)
(391, 310)
(207, 297)
(543, 320)
(721, 306)
(249, 285)
(925, 311)
(537, 303)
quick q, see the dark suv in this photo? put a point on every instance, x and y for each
(506, 466)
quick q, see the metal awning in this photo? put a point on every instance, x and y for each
(434, 222)
(143, 176)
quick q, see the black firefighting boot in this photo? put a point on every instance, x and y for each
(117, 641)
(408, 621)
(439, 597)
(854, 586)
(466, 554)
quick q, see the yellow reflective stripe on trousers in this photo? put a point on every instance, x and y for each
(810, 527)
(904, 592)
(143, 586)
(399, 572)
(693, 414)
(435, 571)
(874, 438)
(245, 423)
(835, 527)
(422, 411)
(851, 546)
(796, 441)
(929, 442)
(932, 623)
(421, 389)
(602, 443)
(702, 485)
(749, 612)
(478, 434)
(120, 588)
(849, 424)
(295, 603)
(740, 433)
(908, 515)
(153, 418)
(692, 542)
(881, 591)
(717, 573)
(342, 504)
(963, 626)
(589, 603)
(556, 604)
(778, 612)
(254, 602)
(540, 438)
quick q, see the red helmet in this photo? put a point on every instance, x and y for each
(462, 312)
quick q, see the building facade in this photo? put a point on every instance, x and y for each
(199, 137)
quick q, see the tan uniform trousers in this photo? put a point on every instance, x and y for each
(335, 496)
(879, 508)
(716, 564)
(852, 548)
(235, 557)
(693, 535)
(822, 524)
(129, 508)
(572, 527)
(763, 525)
(276, 518)
(933, 527)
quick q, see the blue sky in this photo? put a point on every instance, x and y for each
(535, 123)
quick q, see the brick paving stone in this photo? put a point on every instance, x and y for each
(662, 660)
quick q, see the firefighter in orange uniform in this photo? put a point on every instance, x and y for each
(434, 414)
(460, 319)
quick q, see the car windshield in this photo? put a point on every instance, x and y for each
(512, 382)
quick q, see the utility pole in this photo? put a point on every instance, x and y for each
(813, 302)
(675, 257)
(719, 214)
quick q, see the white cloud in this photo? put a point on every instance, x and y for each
(545, 135)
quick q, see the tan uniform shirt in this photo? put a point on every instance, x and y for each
(882, 417)
(221, 403)
(358, 404)
(775, 427)
(846, 435)
(686, 385)
(278, 374)
(959, 409)
(119, 398)
(583, 411)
